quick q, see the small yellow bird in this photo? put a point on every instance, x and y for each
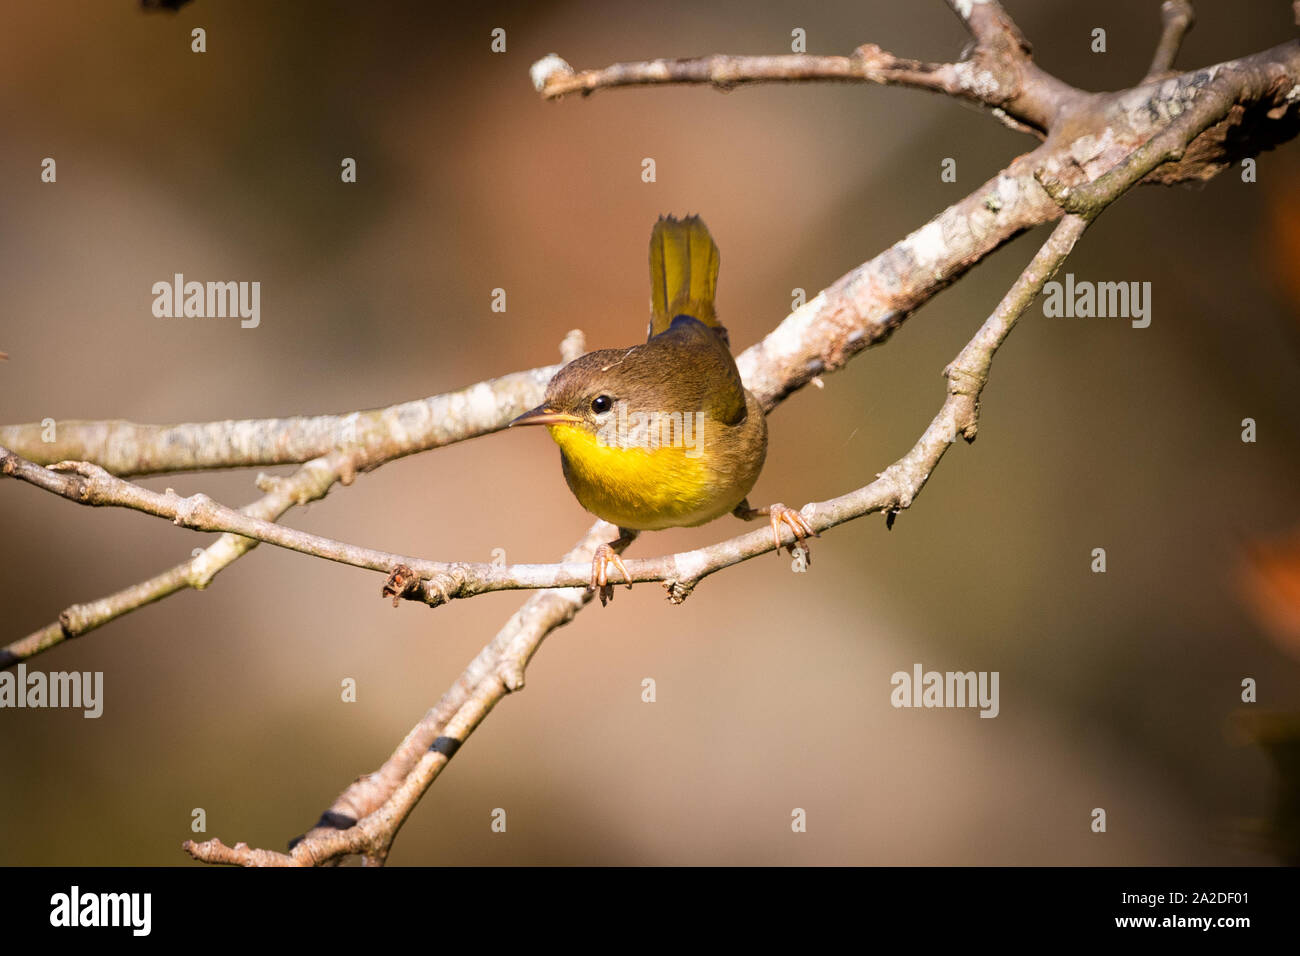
(664, 434)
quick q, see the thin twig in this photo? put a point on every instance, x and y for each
(1177, 17)
(989, 77)
(310, 482)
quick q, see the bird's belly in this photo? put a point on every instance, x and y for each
(651, 489)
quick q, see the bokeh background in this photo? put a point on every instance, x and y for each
(1119, 691)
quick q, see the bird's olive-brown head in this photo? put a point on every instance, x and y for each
(686, 369)
(584, 393)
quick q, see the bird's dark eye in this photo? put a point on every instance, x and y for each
(601, 404)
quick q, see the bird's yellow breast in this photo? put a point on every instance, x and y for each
(648, 489)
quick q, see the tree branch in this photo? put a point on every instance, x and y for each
(998, 74)
(366, 816)
(1222, 89)
(373, 436)
(310, 482)
(1177, 17)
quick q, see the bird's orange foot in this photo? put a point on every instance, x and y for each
(600, 561)
(780, 514)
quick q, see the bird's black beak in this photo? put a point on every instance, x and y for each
(542, 415)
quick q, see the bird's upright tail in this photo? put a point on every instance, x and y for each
(683, 272)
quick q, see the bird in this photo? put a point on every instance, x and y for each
(663, 434)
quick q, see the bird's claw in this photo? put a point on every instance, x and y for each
(600, 583)
(798, 525)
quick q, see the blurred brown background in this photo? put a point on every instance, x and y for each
(1117, 690)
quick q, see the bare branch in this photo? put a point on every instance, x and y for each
(1209, 105)
(553, 77)
(971, 80)
(366, 816)
(376, 435)
(88, 484)
(990, 25)
(998, 73)
(1177, 17)
(312, 481)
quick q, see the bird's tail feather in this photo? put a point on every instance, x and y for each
(683, 272)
